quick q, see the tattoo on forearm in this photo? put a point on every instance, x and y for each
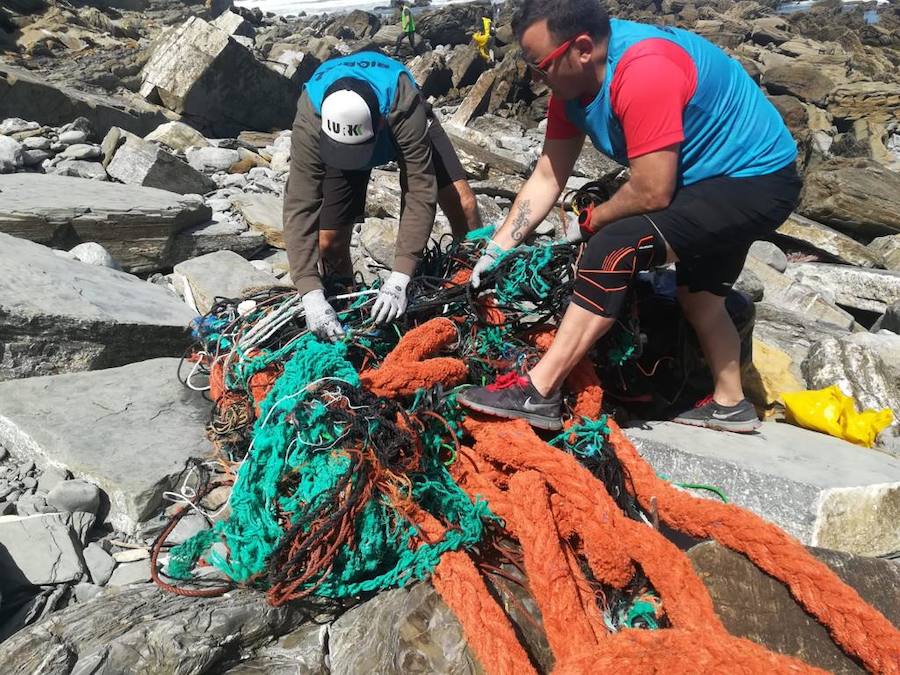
(520, 223)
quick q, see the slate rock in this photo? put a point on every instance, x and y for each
(36, 143)
(224, 233)
(451, 24)
(770, 254)
(81, 151)
(35, 157)
(11, 157)
(203, 74)
(85, 592)
(142, 629)
(51, 477)
(13, 125)
(59, 315)
(155, 427)
(780, 473)
(177, 136)
(140, 162)
(300, 652)
(354, 25)
(79, 168)
(866, 289)
(72, 137)
(38, 549)
(130, 573)
(75, 495)
(400, 631)
(223, 273)
(888, 249)
(234, 24)
(829, 243)
(753, 605)
(806, 82)
(100, 564)
(263, 214)
(891, 319)
(212, 159)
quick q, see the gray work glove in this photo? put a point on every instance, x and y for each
(487, 260)
(391, 301)
(321, 318)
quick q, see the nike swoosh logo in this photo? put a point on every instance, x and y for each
(725, 416)
(529, 406)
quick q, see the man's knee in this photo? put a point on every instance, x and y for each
(334, 243)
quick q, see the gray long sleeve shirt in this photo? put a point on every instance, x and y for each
(407, 123)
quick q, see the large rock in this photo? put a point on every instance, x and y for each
(234, 24)
(178, 136)
(782, 473)
(747, 599)
(38, 550)
(296, 64)
(224, 274)
(129, 430)
(888, 248)
(855, 287)
(355, 25)
(792, 332)
(143, 629)
(857, 370)
(452, 24)
(874, 101)
(24, 95)
(135, 224)
(300, 652)
(212, 236)
(205, 75)
(476, 101)
(263, 214)
(59, 315)
(140, 162)
(804, 81)
(858, 197)
(782, 291)
(466, 65)
(431, 73)
(11, 155)
(831, 244)
(399, 632)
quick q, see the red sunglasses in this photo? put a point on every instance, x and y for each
(547, 61)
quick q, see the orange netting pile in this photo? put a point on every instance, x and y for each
(564, 519)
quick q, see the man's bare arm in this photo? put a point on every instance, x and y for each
(540, 191)
(650, 188)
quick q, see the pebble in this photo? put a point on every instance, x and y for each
(72, 137)
(81, 151)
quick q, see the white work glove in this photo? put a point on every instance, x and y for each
(391, 301)
(321, 318)
(573, 232)
(487, 260)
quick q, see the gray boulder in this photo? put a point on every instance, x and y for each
(866, 289)
(431, 73)
(354, 25)
(263, 214)
(79, 168)
(11, 157)
(770, 254)
(140, 162)
(202, 73)
(298, 65)
(857, 197)
(38, 550)
(220, 234)
(91, 253)
(59, 315)
(806, 82)
(831, 244)
(108, 634)
(100, 564)
(888, 248)
(128, 430)
(81, 151)
(73, 496)
(135, 224)
(782, 473)
(451, 25)
(211, 159)
(234, 24)
(223, 273)
(746, 599)
(178, 136)
(31, 96)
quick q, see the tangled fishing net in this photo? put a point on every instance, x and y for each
(353, 470)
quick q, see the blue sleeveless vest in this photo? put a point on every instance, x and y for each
(730, 127)
(382, 74)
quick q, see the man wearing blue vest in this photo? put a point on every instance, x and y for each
(712, 169)
(358, 112)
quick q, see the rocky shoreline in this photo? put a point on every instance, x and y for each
(144, 147)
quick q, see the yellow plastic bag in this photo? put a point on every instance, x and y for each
(832, 412)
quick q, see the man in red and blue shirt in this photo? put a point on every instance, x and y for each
(712, 169)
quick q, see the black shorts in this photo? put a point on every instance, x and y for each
(344, 192)
(711, 224)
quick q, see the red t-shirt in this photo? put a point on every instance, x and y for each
(652, 84)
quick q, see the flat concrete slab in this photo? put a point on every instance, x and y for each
(783, 473)
(130, 430)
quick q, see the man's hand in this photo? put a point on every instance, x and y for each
(321, 318)
(391, 301)
(487, 260)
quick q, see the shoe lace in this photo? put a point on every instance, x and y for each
(704, 401)
(512, 379)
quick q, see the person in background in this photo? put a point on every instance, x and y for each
(712, 169)
(355, 113)
(408, 31)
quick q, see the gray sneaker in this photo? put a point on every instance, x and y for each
(514, 397)
(740, 418)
